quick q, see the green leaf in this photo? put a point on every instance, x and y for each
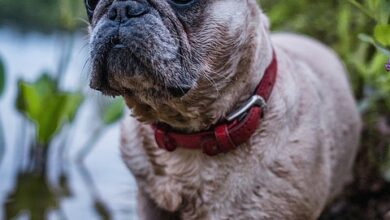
(31, 194)
(382, 34)
(383, 11)
(367, 39)
(362, 8)
(46, 106)
(375, 66)
(2, 77)
(113, 111)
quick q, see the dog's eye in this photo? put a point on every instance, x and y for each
(182, 2)
(90, 5)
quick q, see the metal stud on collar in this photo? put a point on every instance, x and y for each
(255, 100)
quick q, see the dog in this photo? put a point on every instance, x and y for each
(279, 123)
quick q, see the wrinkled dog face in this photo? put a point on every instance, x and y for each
(158, 51)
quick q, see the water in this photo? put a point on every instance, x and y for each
(103, 188)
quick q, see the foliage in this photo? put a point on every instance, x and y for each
(339, 23)
(111, 111)
(23, 198)
(42, 14)
(378, 11)
(47, 106)
(35, 196)
(359, 31)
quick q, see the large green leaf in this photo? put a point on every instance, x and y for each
(24, 198)
(2, 77)
(382, 34)
(383, 12)
(46, 106)
(112, 111)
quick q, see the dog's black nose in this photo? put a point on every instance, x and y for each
(122, 10)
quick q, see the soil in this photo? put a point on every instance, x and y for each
(369, 204)
(368, 197)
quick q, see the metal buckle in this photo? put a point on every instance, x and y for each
(255, 100)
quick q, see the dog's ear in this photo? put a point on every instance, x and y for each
(90, 6)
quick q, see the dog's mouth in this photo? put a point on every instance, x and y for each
(106, 80)
(138, 56)
(116, 43)
(120, 71)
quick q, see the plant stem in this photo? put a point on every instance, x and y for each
(101, 206)
(20, 150)
(90, 144)
(2, 141)
(361, 8)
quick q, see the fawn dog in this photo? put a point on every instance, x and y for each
(229, 121)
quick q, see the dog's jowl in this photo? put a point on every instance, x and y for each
(228, 120)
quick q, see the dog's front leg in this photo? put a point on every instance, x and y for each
(148, 209)
(157, 192)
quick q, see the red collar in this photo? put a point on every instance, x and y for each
(236, 129)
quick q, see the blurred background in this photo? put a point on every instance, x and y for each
(59, 156)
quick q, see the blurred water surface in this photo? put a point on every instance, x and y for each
(103, 188)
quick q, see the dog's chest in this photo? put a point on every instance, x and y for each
(226, 188)
(191, 182)
(203, 183)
